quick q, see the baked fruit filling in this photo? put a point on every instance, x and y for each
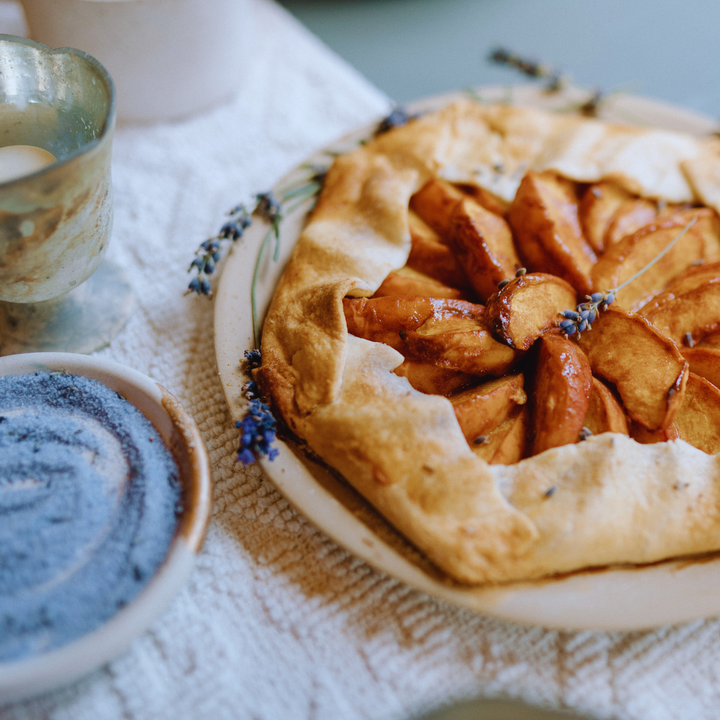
(477, 311)
(503, 398)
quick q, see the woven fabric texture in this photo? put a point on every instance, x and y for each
(277, 621)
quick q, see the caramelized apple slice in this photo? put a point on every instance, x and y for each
(634, 252)
(513, 447)
(544, 219)
(381, 319)
(698, 419)
(645, 367)
(561, 393)
(596, 209)
(641, 434)
(507, 443)
(689, 317)
(632, 215)
(480, 410)
(435, 204)
(430, 256)
(459, 343)
(705, 362)
(707, 226)
(710, 341)
(484, 197)
(528, 306)
(605, 414)
(484, 246)
(433, 380)
(407, 281)
(485, 446)
(694, 277)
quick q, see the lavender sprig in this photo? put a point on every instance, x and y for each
(271, 208)
(530, 68)
(273, 211)
(398, 117)
(257, 434)
(258, 426)
(582, 318)
(253, 359)
(518, 274)
(590, 107)
(208, 254)
(556, 80)
(312, 182)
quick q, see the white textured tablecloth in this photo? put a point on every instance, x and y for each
(277, 621)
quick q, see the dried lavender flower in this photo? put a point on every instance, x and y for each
(398, 117)
(585, 433)
(269, 208)
(581, 319)
(258, 426)
(209, 253)
(257, 433)
(530, 68)
(253, 359)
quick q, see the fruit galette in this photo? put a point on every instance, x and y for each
(502, 327)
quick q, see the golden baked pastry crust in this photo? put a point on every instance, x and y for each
(613, 500)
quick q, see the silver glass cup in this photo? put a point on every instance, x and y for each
(55, 223)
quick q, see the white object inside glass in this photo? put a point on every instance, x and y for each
(16, 161)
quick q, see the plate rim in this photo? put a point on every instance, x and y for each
(516, 602)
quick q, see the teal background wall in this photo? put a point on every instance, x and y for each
(411, 48)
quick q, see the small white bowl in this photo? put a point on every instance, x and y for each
(41, 673)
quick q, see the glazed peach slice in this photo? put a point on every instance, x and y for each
(596, 209)
(528, 306)
(634, 252)
(430, 256)
(482, 409)
(561, 393)
(689, 317)
(507, 444)
(433, 380)
(459, 343)
(435, 204)
(381, 319)
(698, 419)
(544, 219)
(484, 246)
(643, 365)
(411, 283)
(605, 414)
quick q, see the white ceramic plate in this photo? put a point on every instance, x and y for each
(178, 430)
(612, 599)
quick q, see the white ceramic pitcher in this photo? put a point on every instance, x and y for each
(169, 58)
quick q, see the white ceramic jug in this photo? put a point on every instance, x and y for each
(169, 58)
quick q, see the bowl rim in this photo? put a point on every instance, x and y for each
(41, 673)
(110, 116)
